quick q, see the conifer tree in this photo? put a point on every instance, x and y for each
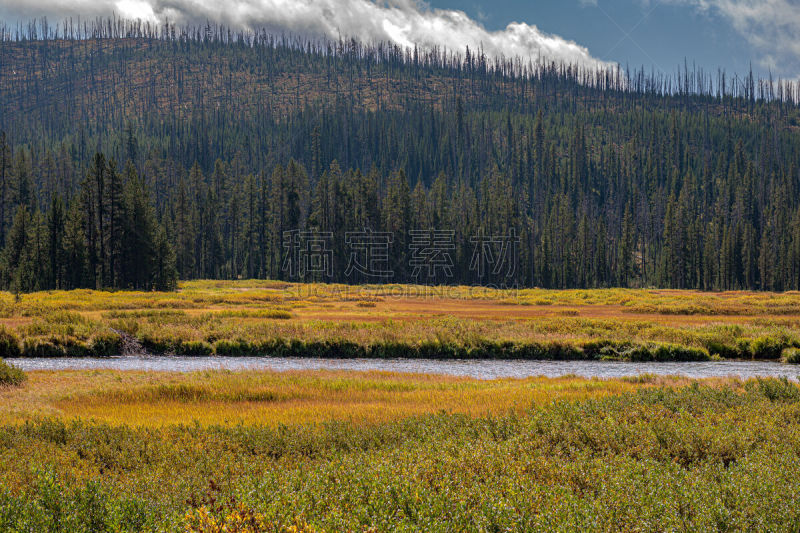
(56, 229)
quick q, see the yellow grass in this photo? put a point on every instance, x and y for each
(371, 302)
(256, 311)
(272, 398)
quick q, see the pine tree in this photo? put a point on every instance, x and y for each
(16, 259)
(114, 224)
(93, 198)
(140, 227)
(76, 265)
(23, 190)
(184, 229)
(56, 230)
(164, 275)
(5, 178)
(397, 221)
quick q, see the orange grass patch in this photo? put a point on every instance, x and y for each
(273, 398)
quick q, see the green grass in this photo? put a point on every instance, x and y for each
(696, 458)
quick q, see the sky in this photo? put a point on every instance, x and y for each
(662, 34)
(656, 34)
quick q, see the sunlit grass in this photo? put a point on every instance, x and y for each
(272, 398)
(257, 317)
(563, 454)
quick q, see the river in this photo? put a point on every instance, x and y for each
(481, 369)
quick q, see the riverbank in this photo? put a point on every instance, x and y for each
(276, 319)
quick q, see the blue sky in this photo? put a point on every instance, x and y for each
(634, 32)
(656, 34)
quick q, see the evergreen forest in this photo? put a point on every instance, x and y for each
(133, 155)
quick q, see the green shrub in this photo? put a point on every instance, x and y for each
(773, 389)
(105, 345)
(41, 348)
(792, 356)
(194, 348)
(766, 348)
(158, 345)
(605, 349)
(10, 375)
(232, 347)
(726, 351)
(9, 344)
(664, 352)
(675, 352)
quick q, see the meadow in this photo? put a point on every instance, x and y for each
(366, 452)
(272, 318)
(312, 451)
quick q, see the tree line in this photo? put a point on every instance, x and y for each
(107, 235)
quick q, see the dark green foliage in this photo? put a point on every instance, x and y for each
(109, 238)
(626, 351)
(791, 356)
(726, 351)
(10, 375)
(9, 344)
(194, 348)
(766, 348)
(551, 351)
(774, 389)
(105, 345)
(669, 352)
(233, 348)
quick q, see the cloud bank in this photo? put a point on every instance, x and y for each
(405, 22)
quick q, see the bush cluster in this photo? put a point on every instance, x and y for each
(10, 375)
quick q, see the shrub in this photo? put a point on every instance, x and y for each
(277, 314)
(232, 347)
(9, 344)
(726, 351)
(611, 351)
(774, 389)
(766, 348)
(193, 348)
(41, 348)
(605, 349)
(10, 375)
(792, 356)
(105, 344)
(675, 352)
(239, 518)
(157, 345)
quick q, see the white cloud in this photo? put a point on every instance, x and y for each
(772, 27)
(405, 22)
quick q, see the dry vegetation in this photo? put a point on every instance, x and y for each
(316, 320)
(155, 399)
(217, 452)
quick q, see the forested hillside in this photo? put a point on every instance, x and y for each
(130, 154)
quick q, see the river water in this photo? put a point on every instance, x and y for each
(482, 369)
